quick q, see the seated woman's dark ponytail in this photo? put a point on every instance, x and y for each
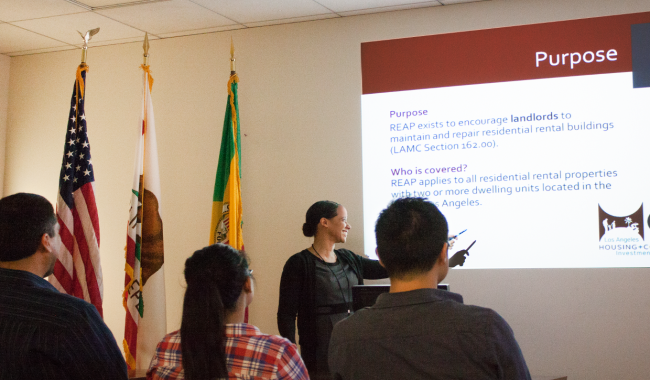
(215, 276)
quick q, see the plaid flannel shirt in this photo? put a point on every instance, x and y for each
(249, 354)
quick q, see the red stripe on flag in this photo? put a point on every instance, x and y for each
(66, 237)
(131, 334)
(60, 272)
(63, 276)
(130, 257)
(89, 196)
(91, 279)
(77, 290)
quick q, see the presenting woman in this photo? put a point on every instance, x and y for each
(316, 284)
(214, 342)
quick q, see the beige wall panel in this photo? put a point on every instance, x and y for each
(300, 87)
(4, 104)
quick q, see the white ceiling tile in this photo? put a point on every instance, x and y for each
(250, 11)
(44, 50)
(64, 28)
(347, 5)
(391, 8)
(201, 31)
(14, 39)
(34, 26)
(103, 3)
(167, 16)
(15, 10)
(292, 20)
(450, 2)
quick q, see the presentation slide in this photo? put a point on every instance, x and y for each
(531, 139)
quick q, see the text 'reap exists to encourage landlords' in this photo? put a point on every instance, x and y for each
(535, 139)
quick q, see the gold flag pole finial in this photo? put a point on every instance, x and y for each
(232, 57)
(86, 37)
(145, 46)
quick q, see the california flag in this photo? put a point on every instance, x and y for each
(144, 285)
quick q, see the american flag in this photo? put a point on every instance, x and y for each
(78, 269)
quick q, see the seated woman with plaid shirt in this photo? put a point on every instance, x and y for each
(216, 343)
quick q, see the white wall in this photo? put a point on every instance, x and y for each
(4, 104)
(300, 87)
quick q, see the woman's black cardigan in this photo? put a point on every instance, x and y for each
(298, 291)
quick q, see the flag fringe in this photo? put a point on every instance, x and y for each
(80, 81)
(130, 360)
(147, 70)
(233, 79)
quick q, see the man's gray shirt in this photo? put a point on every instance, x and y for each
(425, 334)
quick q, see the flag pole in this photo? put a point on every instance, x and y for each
(232, 57)
(145, 61)
(86, 37)
(145, 47)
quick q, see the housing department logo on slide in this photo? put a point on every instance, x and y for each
(623, 234)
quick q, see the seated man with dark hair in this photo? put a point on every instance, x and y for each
(45, 334)
(417, 331)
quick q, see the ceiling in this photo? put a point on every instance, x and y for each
(39, 26)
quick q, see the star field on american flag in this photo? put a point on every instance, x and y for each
(77, 168)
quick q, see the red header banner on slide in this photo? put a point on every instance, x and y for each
(558, 49)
